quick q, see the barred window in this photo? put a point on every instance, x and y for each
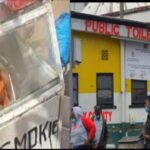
(105, 89)
(138, 92)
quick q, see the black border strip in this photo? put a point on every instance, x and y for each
(77, 15)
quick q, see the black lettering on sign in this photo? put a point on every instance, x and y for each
(18, 143)
(55, 127)
(32, 134)
(5, 144)
(50, 127)
(42, 133)
(49, 134)
(35, 135)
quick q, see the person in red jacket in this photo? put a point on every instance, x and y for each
(82, 129)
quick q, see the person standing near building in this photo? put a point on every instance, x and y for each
(101, 129)
(146, 133)
(82, 129)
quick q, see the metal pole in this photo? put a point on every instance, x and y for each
(71, 72)
(123, 100)
(121, 10)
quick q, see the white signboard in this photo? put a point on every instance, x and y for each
(137, 61)
(37, 128)
(99, 27)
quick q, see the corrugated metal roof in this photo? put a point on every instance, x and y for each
(106, 8)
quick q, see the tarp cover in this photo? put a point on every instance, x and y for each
(63, 36)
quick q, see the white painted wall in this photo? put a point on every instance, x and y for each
(26, 128)
(88, 100)
(138, 113)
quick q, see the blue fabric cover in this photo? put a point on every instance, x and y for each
(64, 38)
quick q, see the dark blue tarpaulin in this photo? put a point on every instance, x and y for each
(64, 37)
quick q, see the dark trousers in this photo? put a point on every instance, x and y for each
(147, 145)
(100, 147)
(84, 147)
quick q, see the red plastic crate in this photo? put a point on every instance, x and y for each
(16, 5)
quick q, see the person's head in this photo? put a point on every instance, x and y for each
(75, 104)
(97, 110)
(147, 104)
(76, 112)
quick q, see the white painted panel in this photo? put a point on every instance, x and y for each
(36, 128)
(138, 114)
(87, 101)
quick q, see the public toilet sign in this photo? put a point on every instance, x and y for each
(116, 30)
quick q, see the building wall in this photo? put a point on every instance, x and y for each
(91, 64)
(60, 6)
(92, 45)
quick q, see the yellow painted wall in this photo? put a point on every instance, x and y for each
(148, 86)
(128, 85)
(91, 61)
